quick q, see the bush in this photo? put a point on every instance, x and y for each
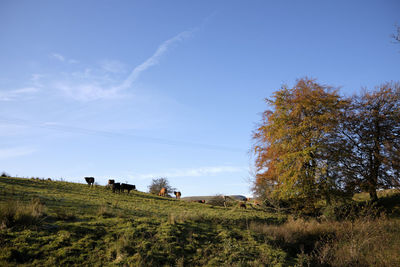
(217, 200)
(352, 210)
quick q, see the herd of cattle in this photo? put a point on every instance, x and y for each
(121, 187)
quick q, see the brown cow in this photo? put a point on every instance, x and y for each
(163, 192)
(110, 183)
(177, 194)
(242, 205)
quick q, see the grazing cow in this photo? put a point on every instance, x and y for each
(177, 194)
(242, 205)
(110, 183)
(163, 192)
(199, 201)
(89, 180)
(116, 187)
(128, 187)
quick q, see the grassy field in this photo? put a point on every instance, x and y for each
(53, 223)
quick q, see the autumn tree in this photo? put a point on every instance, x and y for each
(295, 141)
(371, 130)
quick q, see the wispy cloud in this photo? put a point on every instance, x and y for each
(58, 57)
(13, 94)
(193, 172)
(62, 58)
(153, 60)
(6, 153)
(93, 87)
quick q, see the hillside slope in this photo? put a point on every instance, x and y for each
(49, 223)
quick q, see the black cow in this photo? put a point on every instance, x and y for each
(116, 187)
(89, 180)
(128, 187)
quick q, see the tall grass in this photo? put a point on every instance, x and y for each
(16, 213)
(361, 242)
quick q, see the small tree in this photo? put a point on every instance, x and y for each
(158, 183)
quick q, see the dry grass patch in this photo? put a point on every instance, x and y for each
(362, 242)
(16, 213)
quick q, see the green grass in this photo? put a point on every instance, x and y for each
(56, 223)
(92, 226)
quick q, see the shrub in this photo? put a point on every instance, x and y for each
(352, 210)
(217, 200)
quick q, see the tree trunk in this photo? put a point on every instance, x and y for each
(372, 194)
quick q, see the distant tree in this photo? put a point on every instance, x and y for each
(294, 143)
(158, 183)
(371, 130)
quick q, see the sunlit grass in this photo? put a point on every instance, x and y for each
(97, 227)
(55, 223)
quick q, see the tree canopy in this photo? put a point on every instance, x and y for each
(371, 130)
(293, 140)
(314, 144)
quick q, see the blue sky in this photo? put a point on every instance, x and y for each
(135, 90)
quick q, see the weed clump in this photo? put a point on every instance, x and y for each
(16, 213)
(65, 215)
(105, 212)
